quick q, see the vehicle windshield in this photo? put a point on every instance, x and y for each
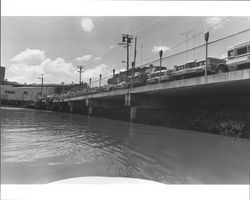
(190, 65)
(230, 53)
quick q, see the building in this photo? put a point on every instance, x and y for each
(2, 74)
(24, 94)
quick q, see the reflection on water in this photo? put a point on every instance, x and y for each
(42, 146)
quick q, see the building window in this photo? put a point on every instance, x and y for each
(9, 92)
(25, 92)
(242, 51)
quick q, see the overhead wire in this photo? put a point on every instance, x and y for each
(193, 37)
(199, 46)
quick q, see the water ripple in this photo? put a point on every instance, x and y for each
(38, 147)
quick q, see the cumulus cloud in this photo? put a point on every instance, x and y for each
(87, 24)
(213, 21)
(95, 71)
(55, 70)
(158, 48)
(27, 68)
(30, 57)
(97, 58)
(84, 58)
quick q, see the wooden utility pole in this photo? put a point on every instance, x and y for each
(187, 35)
(133, 63)
(80, 73)
(41, 84)
(126, 41)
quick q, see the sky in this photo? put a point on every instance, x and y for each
(55, 46)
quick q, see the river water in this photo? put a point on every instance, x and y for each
(43, 146)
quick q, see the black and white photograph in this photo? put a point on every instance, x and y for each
(131, 100)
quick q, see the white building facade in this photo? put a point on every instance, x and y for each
(8, 92)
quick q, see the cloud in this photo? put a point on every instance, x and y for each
(30, 57)
(97, 58)
(84, 58)
(94, 72)
(112, 46)
(158, 48)
(25, 69)
(214, 20)
(87, 24)
(55, 70)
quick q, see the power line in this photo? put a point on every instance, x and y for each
(197, 47)
(187, 34)
(201, 32)
(181, 52)
(193, 37)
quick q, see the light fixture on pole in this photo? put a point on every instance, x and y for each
(160, 54)
(100, 81)
(206, 35)
(113, 82)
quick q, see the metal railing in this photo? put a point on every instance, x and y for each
(216, 48)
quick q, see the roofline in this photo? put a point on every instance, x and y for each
(239, 45)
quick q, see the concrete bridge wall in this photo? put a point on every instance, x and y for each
(217, 104)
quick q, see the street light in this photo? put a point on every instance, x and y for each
(89, 85)
(206, 35)
(160, 54)
(113, 82)
(100, 80)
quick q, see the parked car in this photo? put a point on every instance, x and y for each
(197, 68)
(93, 90)
(138, 79)
(238, 58)
(106, 88)
(184, 71)
(121, 85)
(155, 69)
(163, 76)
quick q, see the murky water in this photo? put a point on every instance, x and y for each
(43, 146)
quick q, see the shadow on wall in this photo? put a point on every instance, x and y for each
(233, 123)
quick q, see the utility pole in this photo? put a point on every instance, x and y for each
(133, 63)
(126, 41)
(41, 84)
(80, 73)
(187, 34)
